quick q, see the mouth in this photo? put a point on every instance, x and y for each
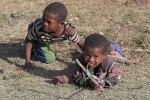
(44, 28)
(91, 65)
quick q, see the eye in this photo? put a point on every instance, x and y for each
(95, 56)
(86, 55)
(49, 22)
(44, 20)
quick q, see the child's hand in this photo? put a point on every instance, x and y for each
(28, 66)
(98, 87)
(95, 86)
(79, 78)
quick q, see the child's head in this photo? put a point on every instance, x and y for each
(53, 15)
(95, 47)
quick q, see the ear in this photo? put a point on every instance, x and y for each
(104, 56)
(59, 23)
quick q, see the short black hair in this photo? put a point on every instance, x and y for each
(96, 40)
(57, 9)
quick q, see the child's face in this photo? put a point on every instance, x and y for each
(94, 56)
(49, 22)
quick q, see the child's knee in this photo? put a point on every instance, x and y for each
(50, 57)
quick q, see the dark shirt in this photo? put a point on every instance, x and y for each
(36, 32)
(107, 71)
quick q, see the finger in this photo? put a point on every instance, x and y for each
(83, 74)
(98, 87)
(78, 79)
(78, 73)
(82, 81)
(77, 76)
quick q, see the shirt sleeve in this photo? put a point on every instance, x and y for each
(33, 29)
(79, 75)
(72, 34)
(112, 72)
(75, 38)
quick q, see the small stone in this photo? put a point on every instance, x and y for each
(60, 80)
(6, 78)
(2, 71)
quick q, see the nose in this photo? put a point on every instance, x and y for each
(91, 59)
(45, 23)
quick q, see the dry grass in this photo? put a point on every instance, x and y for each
(128, 23)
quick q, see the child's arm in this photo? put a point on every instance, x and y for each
(32, 35)
(111, 73)
(113, 76)
(79, 76)
(74, 37)
(81, 43)
(28, 47)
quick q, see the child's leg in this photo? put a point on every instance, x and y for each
(43, 52)
(116, 47)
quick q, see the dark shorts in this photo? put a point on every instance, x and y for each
(43, 52)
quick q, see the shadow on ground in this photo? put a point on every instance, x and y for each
(15, 51)
(11, 50)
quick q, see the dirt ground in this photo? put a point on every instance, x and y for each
(125, 22)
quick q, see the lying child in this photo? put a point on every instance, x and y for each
(98, 65)
(96, 68)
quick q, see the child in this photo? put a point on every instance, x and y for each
(49, 29)
(98, 64)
